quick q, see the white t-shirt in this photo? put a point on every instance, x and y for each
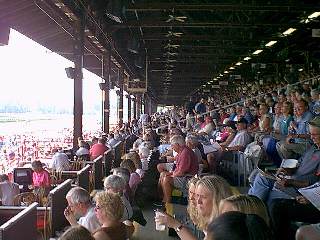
(242, 138)
(60, 162)
(82, 151)
(90, 220)
(8, 191)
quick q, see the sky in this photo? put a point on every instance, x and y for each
(33, 75)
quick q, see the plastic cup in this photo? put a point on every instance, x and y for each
(160, 227)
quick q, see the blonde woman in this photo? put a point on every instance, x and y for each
(191, 209)
(109, 210)
(209, 191)
(245, 203)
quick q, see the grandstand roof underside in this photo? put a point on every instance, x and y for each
(187, 43)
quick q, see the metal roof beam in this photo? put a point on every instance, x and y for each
(156, 6)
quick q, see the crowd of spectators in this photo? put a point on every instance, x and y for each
(197, 144)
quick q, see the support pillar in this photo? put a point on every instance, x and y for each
(120, 106)
(135, 108)
(138, 99)
(106, 64)
(78, 46)
(129, 107)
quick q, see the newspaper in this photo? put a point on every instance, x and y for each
(312, 193)
(214, 147)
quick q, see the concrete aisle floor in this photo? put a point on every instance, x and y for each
(149, 232)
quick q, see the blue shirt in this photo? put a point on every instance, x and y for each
(303, 125)
(284, 124)
(309, 166)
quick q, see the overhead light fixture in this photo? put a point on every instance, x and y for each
(226, 72)
(215, 79)
(257, 51)
(247, 58)
(231, 68)
(300, 69)
(238, 63)
(289, 31)
(314, 15)
(269, 44)
(220, 75)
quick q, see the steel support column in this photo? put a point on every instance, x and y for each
(135, 108)
(120, 106)
(106, 64)
(78, 65)
(129, 107)
(138, 99)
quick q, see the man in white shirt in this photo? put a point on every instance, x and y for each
(60, 161)
(239, 143)
(8, 190)
(80, 210)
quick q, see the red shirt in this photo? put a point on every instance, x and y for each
(186, 163)
(97, 149)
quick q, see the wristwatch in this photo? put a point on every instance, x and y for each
(178, 229)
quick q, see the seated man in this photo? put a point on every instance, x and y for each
(208, 129)
(111, 140)
(98, 149)
(298, 139)
(60, 161)
(8, 190)
(83, 150)
(79, 205)
(186, 165)
(307, 173)
(238, 143)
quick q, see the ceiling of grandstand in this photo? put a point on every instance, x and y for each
(186, 44)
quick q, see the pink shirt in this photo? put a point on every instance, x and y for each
(97, 149)
(134, 181)
(186, 163)
(41, 179)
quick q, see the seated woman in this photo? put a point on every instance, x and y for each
(109, 210)
(40, 178)
(248, 204)
(280, 133)
(238, 226)
(208, 128)
(213, 157)
(209, 191)
(265, 122)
